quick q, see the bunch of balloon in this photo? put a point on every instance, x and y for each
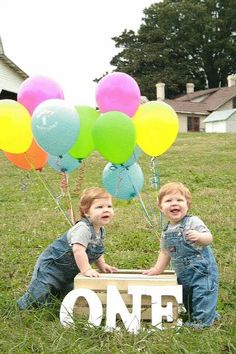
(118, 98)
(55, 126)
(123, 182)
(126, 180)
(31, 93)
(65, 163)
(84, 144)
(157, 127)
(34, 158)
(118, 92)
(37, 89)
(15, 127)
(19, 145)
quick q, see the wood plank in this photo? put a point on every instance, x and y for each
(123, 279)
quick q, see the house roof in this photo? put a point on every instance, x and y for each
(203, 101)
(220, 115)
(221, 96)
(196, 95)
(10, 63)
(188, 107)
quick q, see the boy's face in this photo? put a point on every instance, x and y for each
(174, 206)
(100, 212)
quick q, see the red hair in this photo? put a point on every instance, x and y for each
(174, 187)
(88, 196)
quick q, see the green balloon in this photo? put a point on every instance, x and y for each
(84, 144)
(114, 136)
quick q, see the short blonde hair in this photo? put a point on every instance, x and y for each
(173, 187)
(88, 196)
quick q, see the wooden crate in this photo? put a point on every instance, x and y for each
(122, 279)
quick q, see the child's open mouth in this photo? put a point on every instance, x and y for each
(175, 210)
(105, 217)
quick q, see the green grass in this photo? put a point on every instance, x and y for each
(30, 220)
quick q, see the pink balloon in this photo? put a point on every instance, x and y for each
(118, 92)
(37, 89)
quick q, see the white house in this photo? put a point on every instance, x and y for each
(11, 76)
(221, 121)
(195, 106)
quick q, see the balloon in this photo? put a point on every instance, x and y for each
(157, 127)
(15, 127)
(123, 182)
(118, 92)
(84, 144)
(37, 89)
(55, 126)
(114, 136)
(33, 158)
(134, 157)
(64, 163)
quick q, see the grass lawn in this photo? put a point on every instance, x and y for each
(31, 219)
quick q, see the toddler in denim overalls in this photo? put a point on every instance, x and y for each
(185, 243)
(72, 253)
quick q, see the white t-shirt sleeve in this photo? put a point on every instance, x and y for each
(197, 224)
(79, 233)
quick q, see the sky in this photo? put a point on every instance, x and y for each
(67, 40)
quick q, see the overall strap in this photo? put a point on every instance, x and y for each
(91, 228)
(184, 222)
(165, 227)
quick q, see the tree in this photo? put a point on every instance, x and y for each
(180, 41)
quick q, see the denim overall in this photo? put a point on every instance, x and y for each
(56, 268)
(197, 272)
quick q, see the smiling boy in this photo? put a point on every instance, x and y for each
(185, 242)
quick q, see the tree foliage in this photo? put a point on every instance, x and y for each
(180, 41)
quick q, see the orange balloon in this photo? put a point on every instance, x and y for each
(35, 158)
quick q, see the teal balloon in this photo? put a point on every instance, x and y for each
(123, 182)
(64, 163)
(114, 136)
(84, 144)
(55, 126)
(134, 157)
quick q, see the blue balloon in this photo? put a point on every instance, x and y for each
(123, 182)
(55, 126)
(134, 157)
(64, 163)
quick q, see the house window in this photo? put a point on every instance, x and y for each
(234, 102)
(193, 124)
(8, 95)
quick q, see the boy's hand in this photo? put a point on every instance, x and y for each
(106, 268)
(201, 238)
(91, 273)
(193, 235)
(151, 271)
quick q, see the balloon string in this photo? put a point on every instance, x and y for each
(66, 192)
(145, 210)
(151, 208)
(140, 198)
(155, 179)
(47, 187)
(52, 194)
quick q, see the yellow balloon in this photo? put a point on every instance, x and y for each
(156, 126)
(15, 127)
